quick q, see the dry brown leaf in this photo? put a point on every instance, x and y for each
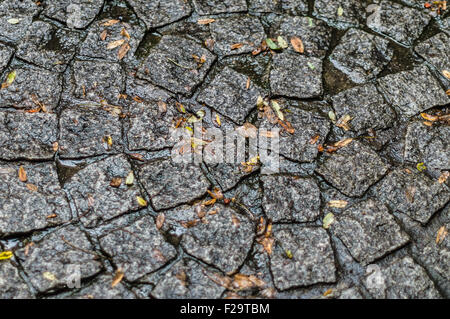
(160, 220)
(236, 46)
(343, 122)
(115, 44)
(297, 43)
(343, 143)
(162, 107)
(441, 234)
(104, 35)
(267, 243)
(314, 139)
(247, 85)
(446, 73)
(428, 123)
(447, 92)
(428, 117)
(117, 277)
(32, 187)
(110, 22)
(116, 182)
(243, 282)
(337, 203)
(205, 21)
(409, 193)
(55, 146)
(123, 50)
(125, 33)
(22, 174)
(137, 156)
(210, 202)
(328, 292)
(52, 216)
(236, 222)
(444, 176)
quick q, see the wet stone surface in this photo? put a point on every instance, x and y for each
(295, 75)
(170, 184)
(49, 47)
(156, 13)
(171, 65)
(27, 136)
(50, 263)
(228, 95)
(365, 106)
(187, 279)
(76, 14)
(345, 12)
(368, 230)
(290, 198)
(95, 199)
(30, 87)
(137, 249)
(414, 91)
(12, 285)
(361, 55)
(94, 182)
(404, 279)
(40, 199)
(315, 34)
(401, 23)
(312, 257)
(246, 31)
(353, 169)
(429, 145)
(414, 194)
(223, 240)
(89, 131)
(205, 7)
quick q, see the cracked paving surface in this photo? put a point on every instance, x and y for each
(92, 205)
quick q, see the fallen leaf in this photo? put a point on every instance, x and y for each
(311, 66)
(116, 182)
(111, 22)
(117, 277)
(52, 216)
(13, 21)
(343, 143)
(6, 255)
(49, 276)
(314, 139)
(276, 107)
(160, 220)
(22, 174)
(409, 193)
(218, 120)
(267, 243)
(32, 187)
(205, 21)
(123, 50)
(104, 35)
(444, 176)
(441, 234)
(130, 179)
(125, 33)
(328, 292)
(236, 46)
(428, 117)
(115, 44)
(328, 220)
(9, 79)
(272, 44)
(297, 44)
(55, 146)
(421, 167)
(340, 11)
(332, 116)
(343, 122)
(247, 85)
(337, 203)
(142, 202)
(282, 42)
(289, 254)
(446, 74)
(243, 282)
(235, 220)
(137, 156)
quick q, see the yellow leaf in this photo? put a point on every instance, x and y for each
(6, 255)
(130, 179)
(421, 167)
(218, 120)
(289, 254)
(328, 292)
(337, 203)
(328, 220)
(428, 117)
(142, 202)
(49, 276)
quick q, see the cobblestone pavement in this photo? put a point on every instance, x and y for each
(92, 206)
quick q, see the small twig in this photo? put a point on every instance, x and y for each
(181, 66)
